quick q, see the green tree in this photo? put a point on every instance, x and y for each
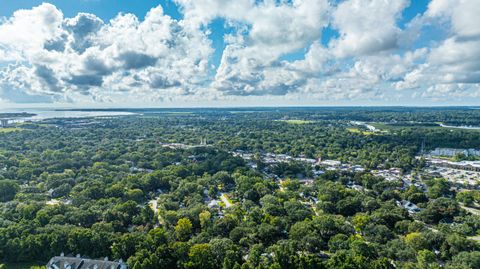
(183, 229)
(201, 257)
(205, 219)
(416, 240)
(426, 259)
(465, 260)
(8, 190)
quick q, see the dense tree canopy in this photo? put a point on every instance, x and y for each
(114, 187)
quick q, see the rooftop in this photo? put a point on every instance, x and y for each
(63, 262)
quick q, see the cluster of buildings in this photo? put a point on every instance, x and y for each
(203, 143)
(174, 145)
(464, 172)
(368, 126)
(440, 164)
(396, 174)
(389, 174)
(272, 158)
(333, 165)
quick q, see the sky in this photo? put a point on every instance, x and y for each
(187, 53)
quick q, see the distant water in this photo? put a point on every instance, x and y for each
(461, 127)
(42, 114)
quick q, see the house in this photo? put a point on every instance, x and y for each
(357, 168)
(352, 185)
(331, 163)
(213, 204)
(306, 160)
(3, 123)
(65, 262)
(306, 181)
(409, 206)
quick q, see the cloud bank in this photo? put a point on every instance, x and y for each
(46, 57)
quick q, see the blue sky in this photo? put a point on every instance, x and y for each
(108, 9)
(214, 52)
(105, 9)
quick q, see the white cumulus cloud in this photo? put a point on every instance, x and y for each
(273, 48)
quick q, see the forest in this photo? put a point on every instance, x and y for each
(86, 186)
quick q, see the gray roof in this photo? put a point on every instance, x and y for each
(62, 262)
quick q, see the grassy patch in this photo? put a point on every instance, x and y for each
(354, 130)
(383, 126)
(9, 130)
(358, 131)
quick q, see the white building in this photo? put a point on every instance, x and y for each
(331, 163)
(3, 123)
(452, 152)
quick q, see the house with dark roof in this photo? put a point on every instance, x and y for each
(65, 262)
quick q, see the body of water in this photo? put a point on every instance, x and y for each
(42, 114)
(461, 127)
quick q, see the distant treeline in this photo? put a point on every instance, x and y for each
(397, 115)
